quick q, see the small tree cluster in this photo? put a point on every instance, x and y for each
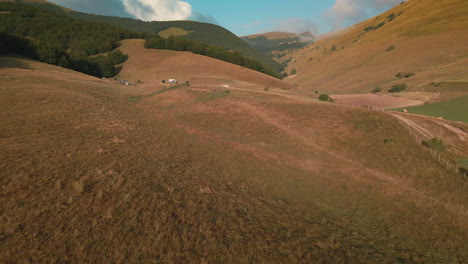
(405, 74)
(377, 90)
(325, 98)
(398, 88)
(434, 143)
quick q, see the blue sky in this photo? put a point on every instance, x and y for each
(243, 17)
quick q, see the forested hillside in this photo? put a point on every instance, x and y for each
(60, 40)
(202, 32)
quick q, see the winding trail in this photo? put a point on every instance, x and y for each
(426, 199)
(418, 128)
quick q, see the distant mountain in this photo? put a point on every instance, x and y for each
(279, 44)
(201, 32)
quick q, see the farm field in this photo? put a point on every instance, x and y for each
(455, 109)
(374, 100)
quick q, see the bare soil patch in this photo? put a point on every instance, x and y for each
(375, 100)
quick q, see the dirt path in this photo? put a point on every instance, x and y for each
(425, 199)
(421, 130)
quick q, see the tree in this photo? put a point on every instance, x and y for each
(117, 57)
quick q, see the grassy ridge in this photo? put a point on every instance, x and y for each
(455, 109)
(180, 44)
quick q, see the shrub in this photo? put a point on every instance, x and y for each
(293, 71)
(434, 143)
(370, 28)
(405, 74)
(381, 24)
(398, 88)
(377, 90)
(333, 48)
(463, 171)
(325, 98)
(391, 48)
(389, 141)
(391, 17)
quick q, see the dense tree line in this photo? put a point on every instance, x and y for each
(232, 56)
(61, 40)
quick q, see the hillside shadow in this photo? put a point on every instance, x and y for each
(13, 61)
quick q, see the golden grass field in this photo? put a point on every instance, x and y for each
(428, 38)
(96, 172)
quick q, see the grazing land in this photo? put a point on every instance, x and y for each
(196, 174)
(375, 100)
(455, 109)
(183, 158)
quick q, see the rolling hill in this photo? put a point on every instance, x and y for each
(197, 69)
(425, 38)
(232, 165)
(94, 171)
(201, 32)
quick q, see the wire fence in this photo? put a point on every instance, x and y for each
(438, 156)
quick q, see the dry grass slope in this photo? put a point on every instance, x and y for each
(425, 37)
(192, 175)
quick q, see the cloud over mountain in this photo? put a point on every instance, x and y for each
(346, 12)
(295, 25)
(151, 10)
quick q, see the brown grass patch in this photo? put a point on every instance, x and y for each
(89, 176)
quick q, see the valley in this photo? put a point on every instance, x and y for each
(230, 165)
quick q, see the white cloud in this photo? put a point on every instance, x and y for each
(295, 25)
(345, 12)
(158, 10)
